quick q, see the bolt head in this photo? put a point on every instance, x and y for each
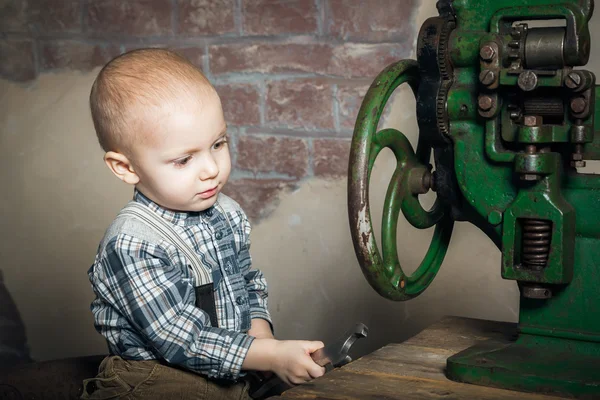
(485, 103)
(573, 80)
(532, 120)
(528, 81)
(487, 77)
(495, 217)
(578, 105)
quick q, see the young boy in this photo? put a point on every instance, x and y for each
(183, 315)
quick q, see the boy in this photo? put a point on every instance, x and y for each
(184, 314)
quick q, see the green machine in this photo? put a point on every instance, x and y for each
(508, 120)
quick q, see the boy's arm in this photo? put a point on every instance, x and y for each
(139, 281)
(256, 285)
(260, 329)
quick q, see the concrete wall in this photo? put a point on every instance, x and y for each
(58, 197)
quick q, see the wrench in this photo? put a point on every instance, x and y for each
(331, 356)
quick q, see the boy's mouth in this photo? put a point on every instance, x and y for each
(208, 193)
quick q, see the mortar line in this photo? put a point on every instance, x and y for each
(175, 17)
(238, 17)
(310, 171)
(336, 108)
(320, 17)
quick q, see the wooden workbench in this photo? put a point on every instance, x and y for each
(414, 369)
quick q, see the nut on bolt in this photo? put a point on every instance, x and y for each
(487, 53)
(419, 180)
(577, 157)
(532, 120)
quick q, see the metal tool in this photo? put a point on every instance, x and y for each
(509, 121)
(333, 355)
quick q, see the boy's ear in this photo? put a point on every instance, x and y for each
(121, 167)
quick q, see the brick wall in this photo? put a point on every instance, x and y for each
(291, 73)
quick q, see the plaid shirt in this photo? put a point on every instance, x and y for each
(145, 300)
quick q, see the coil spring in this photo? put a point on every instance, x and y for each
(536, 243)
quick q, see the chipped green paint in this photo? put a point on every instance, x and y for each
(384, 273)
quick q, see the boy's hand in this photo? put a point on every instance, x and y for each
(293, 363)
(289, 359)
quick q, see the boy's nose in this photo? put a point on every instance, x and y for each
(209, 169)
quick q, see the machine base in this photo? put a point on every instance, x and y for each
(531, 364)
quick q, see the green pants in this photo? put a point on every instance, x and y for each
(125, 379)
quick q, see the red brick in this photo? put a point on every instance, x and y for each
(76, 55)
(282, 155)
(132, 17)
(384, 20)
(240, 103)
(353, 60)
(52, 16)
(13, 16)
(270, 58)
(17, 59)
(349, 98)
(258, 197)
(303, 103)
(272, 17)
(330, 157)
(206, 17)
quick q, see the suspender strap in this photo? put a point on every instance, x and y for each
(204, 291)
(202, 275)
(205, 300)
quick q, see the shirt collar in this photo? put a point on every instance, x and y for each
(182, 218)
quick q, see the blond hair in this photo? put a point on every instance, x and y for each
(134, 81)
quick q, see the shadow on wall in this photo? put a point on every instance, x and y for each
(13, 342)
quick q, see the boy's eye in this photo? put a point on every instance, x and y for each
(219, 144)
(182, 161)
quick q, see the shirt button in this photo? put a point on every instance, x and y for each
(240, 300)
(219, 235)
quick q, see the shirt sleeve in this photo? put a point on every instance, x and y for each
(144, 285)
(256, 284)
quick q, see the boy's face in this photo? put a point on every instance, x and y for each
(184, 163)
